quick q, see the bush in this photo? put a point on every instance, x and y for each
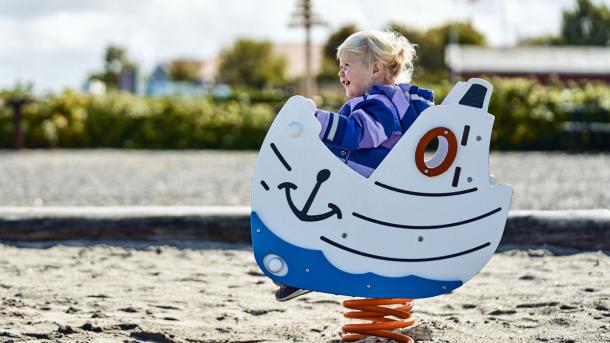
(122, 120)
(529, 116)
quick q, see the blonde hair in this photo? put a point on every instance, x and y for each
(389, 48)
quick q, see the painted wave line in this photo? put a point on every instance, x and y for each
(465, 191)
(426, 227)
(396, 259)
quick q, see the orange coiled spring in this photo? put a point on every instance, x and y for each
(375, 310)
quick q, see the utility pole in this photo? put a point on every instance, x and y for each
(303, 17)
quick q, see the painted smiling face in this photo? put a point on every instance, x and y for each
(415, 228)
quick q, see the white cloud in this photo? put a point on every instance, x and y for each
(57, 43)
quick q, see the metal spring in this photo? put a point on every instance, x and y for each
(377, 311)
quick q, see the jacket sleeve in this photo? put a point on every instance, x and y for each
(369, 124)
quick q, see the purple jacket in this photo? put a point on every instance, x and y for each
(367, 127)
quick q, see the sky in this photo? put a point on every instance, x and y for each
(57, 43)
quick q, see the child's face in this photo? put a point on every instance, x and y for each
(355, 74)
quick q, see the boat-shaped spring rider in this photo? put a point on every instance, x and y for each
(417, 227)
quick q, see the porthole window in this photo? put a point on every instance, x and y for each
(444, 155)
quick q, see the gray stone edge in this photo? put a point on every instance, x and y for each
(580, 229)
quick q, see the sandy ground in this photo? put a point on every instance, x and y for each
(215, 293)
(82, 292)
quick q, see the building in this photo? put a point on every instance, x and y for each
(160, 82)
(294, 53)
(543, 63)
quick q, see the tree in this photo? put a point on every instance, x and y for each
(183, 70)
(115, 63)
(545, 40)
(336, 38)
(587, 24)
(251, 63)
(432, 47)
(328, 69)
(413, 35)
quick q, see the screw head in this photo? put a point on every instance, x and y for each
(344, 235)
(306, 270)
(478, 138)
(368, 286)
(469, 179)
(258, 230)
(426, 171)
(420, 238)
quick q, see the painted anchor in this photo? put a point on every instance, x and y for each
(322, 176)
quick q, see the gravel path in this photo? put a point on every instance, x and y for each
(541, 181)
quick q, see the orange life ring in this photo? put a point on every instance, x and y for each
(451, 151)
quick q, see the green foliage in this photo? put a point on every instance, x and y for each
(413, 35)
(19, 91)
(430, 46)
(587, 24)
(528, 115)
(336, 38)
(431, 52)
(123, 120)
(251, 63)
(182, 70)
(115, 62)
(547, 40)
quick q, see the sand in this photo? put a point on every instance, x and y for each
(81, 292)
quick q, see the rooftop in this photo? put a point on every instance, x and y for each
(561, 60)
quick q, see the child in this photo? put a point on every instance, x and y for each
(379, 110)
